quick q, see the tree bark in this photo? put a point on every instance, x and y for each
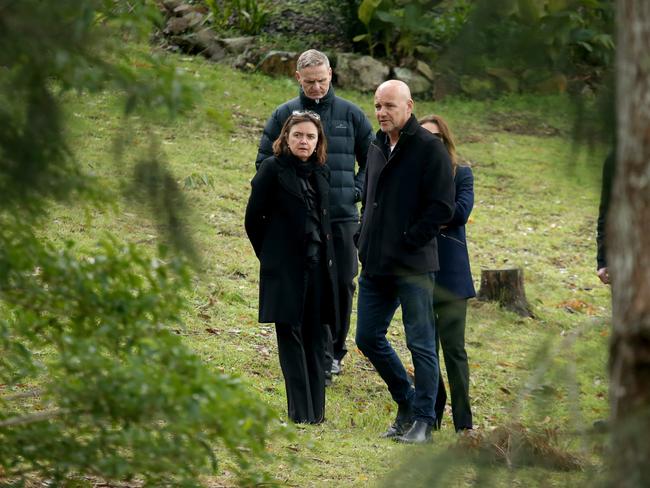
(628, 238)
(505, 286)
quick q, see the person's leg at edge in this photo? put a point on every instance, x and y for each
(377, 303)
(347, 266)
(441, 396)
(296, 376)
(416, 296)
(315, 340)
(451, 326)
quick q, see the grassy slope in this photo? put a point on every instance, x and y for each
(533, 209)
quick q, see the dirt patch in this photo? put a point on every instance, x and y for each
(521, 124)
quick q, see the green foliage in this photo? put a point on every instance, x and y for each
(119, 394)
(401, 28)
(153, 187)
(246, 16)
(47, 52)
(94, 376)
(536, 42)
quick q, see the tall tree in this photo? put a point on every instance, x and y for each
(629, 255)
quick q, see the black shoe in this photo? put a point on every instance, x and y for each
(402, 423)
(419, 433)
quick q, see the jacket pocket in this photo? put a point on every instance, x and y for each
(453, 239)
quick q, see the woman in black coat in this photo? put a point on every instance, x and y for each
(288, 225)
(453, 287)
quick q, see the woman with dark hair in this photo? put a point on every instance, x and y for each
(454, 286)
(288, 225)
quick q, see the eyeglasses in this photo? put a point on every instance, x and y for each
(308, 113)
(439, 136)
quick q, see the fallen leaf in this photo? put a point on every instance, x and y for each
(577, 306)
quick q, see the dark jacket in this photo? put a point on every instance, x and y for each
(603, 209)
(409, 194)
(275, 221)
(348, 134)
(455, 276)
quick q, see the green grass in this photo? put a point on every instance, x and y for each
(536, 205)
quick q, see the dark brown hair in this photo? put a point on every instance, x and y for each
(447, 137)
(281, 146)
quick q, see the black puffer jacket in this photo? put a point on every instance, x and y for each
(348, 134)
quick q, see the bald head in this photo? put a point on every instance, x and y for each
(393, 107)
(395, 87)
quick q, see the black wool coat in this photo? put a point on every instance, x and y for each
(275, 221)
(409, 194)
(348, 133)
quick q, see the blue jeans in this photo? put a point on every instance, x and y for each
(379, 297)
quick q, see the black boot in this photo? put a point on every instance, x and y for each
(419, 433)
(403, 421)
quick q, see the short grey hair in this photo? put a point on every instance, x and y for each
(312, 57)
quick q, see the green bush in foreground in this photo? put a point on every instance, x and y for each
(93, 379)
(118, 394)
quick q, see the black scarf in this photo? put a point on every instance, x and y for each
(305, 170)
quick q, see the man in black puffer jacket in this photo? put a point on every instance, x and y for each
(348, 134)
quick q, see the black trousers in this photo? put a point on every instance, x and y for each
(302, 355)
(450, 320)
(347, 268)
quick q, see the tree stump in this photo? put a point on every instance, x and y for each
(505, 286)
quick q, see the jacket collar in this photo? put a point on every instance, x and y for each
(409, 129)
(311, 104)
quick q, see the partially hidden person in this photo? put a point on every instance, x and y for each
(409, 194)
(454, 285)
(287, 222)
(602, 270)
(348, 133)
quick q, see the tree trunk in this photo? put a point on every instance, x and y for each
(505, 286)
(628, 238)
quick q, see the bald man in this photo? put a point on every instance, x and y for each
(409, 194)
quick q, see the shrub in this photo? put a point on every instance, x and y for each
(401, 28)
(246, 16)
(112, 391)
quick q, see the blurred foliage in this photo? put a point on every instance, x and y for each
(93, 378)
(119, 395)
(493, 46)
(246, 16)
(541, 46)
(77, 46)
(399, 29)
(533, 45)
